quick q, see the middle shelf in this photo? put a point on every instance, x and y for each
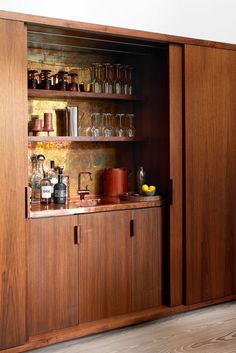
(85, 139)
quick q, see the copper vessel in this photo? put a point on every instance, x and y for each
(115, 181)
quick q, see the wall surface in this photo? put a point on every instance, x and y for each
(203, 19)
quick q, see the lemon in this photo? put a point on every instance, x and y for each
(144, 187)
(152, 188)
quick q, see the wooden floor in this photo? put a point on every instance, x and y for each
(210, 330)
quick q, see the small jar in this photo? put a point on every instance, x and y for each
(62, 81)
(32, 80)
(45, 81)
(73, 86)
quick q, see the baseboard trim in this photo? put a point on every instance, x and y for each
(108, 324)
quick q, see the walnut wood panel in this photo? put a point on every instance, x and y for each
(39, 23)
(104, 265)
(13, 138)
(147, 258)
(210, 130)
(176, 175)
(52, 274)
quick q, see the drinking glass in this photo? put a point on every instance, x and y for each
(107, 83)
(130, 72)
(125, 81)
(130, 131)
(107, 130)
(120, 131)
(96, 74)
(95, 124)
(117, 84)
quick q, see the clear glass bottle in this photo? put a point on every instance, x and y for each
(52, 175)
(141, 179)
(45, 190)
(60, 189)
(36, 179)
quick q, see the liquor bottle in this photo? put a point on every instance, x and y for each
(36, 179)
(45, 189)
(141, 177)
(52, 175)
(60, 189)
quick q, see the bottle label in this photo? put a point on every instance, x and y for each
(59, 193)
(46, 192)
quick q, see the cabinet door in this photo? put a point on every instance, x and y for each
(104, 265)
(147, 258)
(210, 131)
(13, 150)
(52, 274)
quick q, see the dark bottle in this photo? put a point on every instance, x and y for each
(60, 189)
(45, 189)
(141, 178)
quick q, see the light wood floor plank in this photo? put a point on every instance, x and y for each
(209, 330)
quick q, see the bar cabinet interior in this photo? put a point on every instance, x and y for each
(184, 103)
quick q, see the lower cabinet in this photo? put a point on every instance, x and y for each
(120, 262)
(93, 266)
(52, 274)
(104, 265)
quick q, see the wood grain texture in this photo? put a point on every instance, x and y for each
(210, 129)
(52, 274)
(147, 258)
(33, 20)
(104, 265)
(176, 175)
(13, 149)
(210, 330)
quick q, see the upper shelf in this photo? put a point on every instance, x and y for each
(84, 139)
(41, 93)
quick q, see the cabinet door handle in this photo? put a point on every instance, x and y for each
(76, 234)
(26, 203)
(132, 227)
(170, 192)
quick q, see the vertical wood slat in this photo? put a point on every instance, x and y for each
(210, 130)
(176, 174)
(13, 150)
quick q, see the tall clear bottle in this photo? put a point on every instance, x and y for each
(45, 190)
(36, 178)
(141, 179)
(52, 175)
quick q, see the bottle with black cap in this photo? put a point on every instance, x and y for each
(60, 189)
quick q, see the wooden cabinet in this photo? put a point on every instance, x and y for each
(210, 194)
(147, 258)
(110, 264)
(120, 262)
(13, 135)
(52, 274)
(104, 265)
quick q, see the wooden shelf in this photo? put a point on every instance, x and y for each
(41, 93)
(84, 139)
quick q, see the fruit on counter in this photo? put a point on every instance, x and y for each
(146, 188)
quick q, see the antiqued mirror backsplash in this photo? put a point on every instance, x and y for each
(86, 156)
